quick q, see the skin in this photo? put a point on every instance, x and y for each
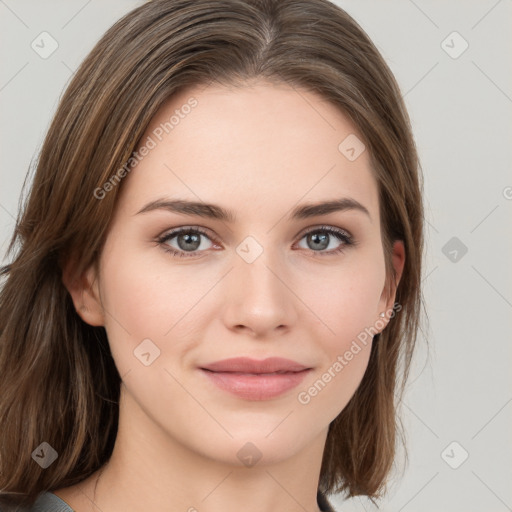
(259, 150)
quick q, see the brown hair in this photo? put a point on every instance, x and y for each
(58, 381)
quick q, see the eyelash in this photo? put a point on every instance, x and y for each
(341, 235)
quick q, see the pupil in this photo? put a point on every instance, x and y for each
(324, 237)
(189, 239)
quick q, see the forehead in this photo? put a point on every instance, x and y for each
(251, 146)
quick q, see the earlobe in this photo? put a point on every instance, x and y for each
(84, 292)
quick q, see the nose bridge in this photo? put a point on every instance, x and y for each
(259, 297)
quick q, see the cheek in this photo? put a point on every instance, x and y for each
(346, 348)
(151, 301)
(327, 392)
(346, 304)
(147, 295)
(347, 316)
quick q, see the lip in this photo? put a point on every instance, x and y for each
(253, 379)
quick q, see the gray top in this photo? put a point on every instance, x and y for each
(49, 502)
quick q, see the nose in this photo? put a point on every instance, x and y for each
(259, 298)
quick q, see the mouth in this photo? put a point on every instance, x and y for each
(251, 379)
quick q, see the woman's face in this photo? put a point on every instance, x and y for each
(261, 282)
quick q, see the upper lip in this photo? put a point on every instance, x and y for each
(248, 365)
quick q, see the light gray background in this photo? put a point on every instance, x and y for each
(461, 113)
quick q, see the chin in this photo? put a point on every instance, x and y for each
(253, 446)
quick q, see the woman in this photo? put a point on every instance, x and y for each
(218, 269)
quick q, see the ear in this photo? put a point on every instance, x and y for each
(84, 291)
(387, 299)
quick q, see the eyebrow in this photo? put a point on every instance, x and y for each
(213, 211)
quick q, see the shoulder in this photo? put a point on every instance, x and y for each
(49, 502)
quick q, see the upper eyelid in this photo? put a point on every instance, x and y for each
(324, 227)
(171, 233)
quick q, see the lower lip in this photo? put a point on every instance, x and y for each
(256, 386)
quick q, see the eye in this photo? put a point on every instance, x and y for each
(189, 243)
(188, 240)
(320, 238)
